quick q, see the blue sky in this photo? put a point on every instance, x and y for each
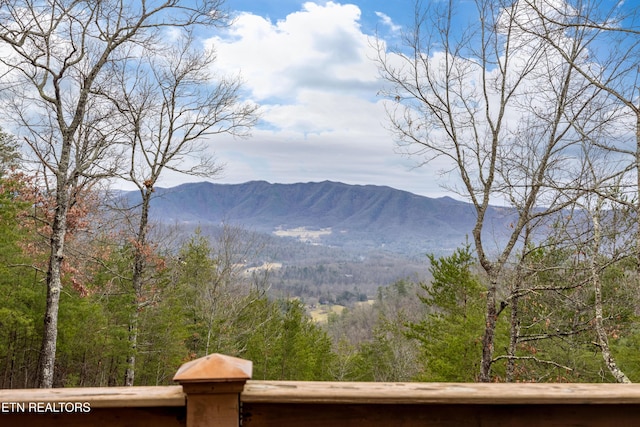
(309, 66)
(400, 11)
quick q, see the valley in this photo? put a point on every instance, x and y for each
(327, 242)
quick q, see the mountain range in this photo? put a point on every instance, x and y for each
(351, 217)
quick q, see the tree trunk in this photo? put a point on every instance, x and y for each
(139, 266)
(489, 332)
(130, 372)
(603, 340)
(46, 366)
(514, 333)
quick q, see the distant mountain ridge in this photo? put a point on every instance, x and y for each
(351, 216)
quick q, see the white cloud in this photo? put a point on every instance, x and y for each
(314, 76)
(319, 46)
(387, 21)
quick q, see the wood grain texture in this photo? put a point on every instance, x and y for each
(439, 393)
(339, 404)
(102, 397)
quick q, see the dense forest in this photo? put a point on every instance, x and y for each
(199, 297)
(534, 107)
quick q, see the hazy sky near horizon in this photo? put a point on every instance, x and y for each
(309, 65)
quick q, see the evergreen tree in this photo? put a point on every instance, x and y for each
(450, 334)
(288, 345)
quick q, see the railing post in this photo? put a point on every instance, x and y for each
(213, 385)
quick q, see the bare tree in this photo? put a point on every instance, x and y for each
(171, 105)
(60, 54)
(494, 105)
(610, 63)
(226, 299)
(611, 53)
(595, 268)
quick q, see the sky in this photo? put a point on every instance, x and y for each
(308, 64)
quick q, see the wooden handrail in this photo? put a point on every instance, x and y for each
(439, 393)
(102, 397)
(216, 391)
(345, 392)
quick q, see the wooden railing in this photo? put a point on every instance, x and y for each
(217, 391)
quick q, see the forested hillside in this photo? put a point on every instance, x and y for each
(352, 217)
(200, 296)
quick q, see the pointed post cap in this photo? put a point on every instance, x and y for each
(214, 368)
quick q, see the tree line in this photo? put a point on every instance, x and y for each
(533, 105)
(103, 90)
(191, 302)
